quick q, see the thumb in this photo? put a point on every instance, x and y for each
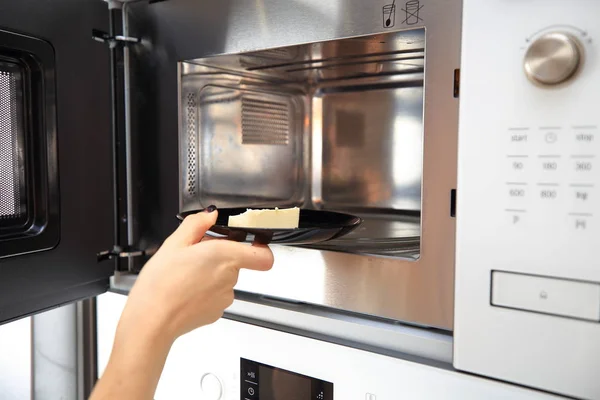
(193, 228)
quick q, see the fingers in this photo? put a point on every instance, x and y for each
(192, 229)
(263, 257)
(256, 257)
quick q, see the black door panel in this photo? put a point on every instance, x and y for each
(65, 269)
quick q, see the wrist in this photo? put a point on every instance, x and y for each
(140, 350)
(149, 327)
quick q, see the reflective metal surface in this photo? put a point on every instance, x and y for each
(417, 288)
(371, 334)
(553, 58)
(55, 362)
(241, 143)
(64, 356)
(371, 147)
(249, 121)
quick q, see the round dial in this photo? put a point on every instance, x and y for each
(553, 58)
(211, 387)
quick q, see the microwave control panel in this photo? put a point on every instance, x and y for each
(527, 306)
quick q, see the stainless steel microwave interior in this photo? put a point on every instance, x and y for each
(336, 125)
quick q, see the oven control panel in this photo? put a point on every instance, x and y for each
(231, 360)
(550, 160)
(528, 206)
(262, 381)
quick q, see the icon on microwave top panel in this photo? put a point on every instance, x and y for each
(389, 15)
(411, 9)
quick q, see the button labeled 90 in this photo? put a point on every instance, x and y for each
(517, 167)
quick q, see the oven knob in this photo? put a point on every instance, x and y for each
(553, 58)
(211, 386)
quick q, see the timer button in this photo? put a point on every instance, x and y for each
(553, 58)
(211, 386)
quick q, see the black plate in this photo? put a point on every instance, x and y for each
(314, 227)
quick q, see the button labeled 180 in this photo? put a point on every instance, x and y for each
(550, 165)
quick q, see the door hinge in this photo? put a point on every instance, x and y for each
(119, 252)
(113, 41)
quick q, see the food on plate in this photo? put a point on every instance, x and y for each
(287, 218)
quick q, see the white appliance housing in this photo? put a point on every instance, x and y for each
(527, 291)
(205, 365)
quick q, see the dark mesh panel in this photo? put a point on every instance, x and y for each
(12, 163)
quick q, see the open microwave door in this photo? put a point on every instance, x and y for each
(56, 193)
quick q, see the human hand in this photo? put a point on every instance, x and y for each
(189, 282)
(186, 284)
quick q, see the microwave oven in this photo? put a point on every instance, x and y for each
(463, 133)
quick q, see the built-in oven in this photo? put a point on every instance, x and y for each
(462, 133)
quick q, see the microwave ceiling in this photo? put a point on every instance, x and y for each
(395, 53)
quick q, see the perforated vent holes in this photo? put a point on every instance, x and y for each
(10, 191)
(192, 157)
(265, 121)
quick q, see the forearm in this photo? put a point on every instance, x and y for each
(185, 285)
(138, 356)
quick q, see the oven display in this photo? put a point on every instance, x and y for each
(264, 382)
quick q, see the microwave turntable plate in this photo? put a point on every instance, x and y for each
(315, 226)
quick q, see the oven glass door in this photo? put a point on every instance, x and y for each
(29, 209)
(13, 198)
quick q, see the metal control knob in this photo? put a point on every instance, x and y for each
(553, 58)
